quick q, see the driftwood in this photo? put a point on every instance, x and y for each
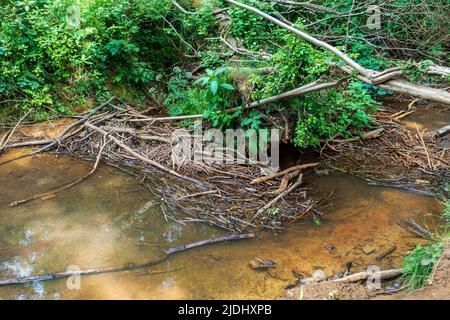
(384, 274)
(127, 267)
(278, 197)
(284, 172)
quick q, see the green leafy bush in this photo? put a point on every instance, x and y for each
(47, 60)
(219, 95)
(418, 264)
(343, 112)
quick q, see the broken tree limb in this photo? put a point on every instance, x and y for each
(403, 86)
(314, 86)
(310, 87)
(284, 172)
(355, 69)
(384, 274)
(126, 267)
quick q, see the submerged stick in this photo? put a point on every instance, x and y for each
(126, 267)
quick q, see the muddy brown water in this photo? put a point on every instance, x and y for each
(96, 224)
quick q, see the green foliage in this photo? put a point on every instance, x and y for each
(297, 62)
(418, 264)
(320, 115)
(336, 112)
(219, 95)
(182, 99)
(58, 52)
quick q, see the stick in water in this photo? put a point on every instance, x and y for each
(126, 267)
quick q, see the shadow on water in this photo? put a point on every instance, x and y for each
(97, 223)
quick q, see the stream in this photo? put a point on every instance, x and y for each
(99, 223)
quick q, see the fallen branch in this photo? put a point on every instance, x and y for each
(310, 87)
(126, 267)
(384, 274)
(201, 243)
(284, 172)
(385, 80)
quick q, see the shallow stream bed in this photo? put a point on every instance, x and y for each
(98, 223)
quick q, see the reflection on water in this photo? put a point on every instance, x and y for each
(110, 220)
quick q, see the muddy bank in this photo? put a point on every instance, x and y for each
(436, 288)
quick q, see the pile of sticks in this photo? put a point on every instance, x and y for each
(400, 156)
(230, 196)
